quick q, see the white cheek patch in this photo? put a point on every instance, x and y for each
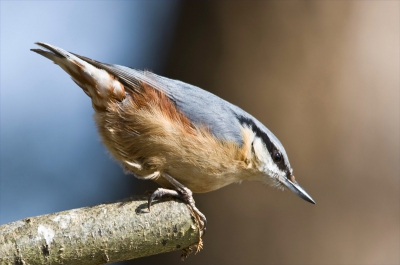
(260, 150)
(267, 164)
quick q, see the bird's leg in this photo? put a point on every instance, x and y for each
(184, 194)
(161, 192)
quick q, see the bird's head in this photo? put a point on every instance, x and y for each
(271, 159)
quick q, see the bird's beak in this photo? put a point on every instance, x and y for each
(295, 187)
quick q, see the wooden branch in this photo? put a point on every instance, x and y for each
(100, 234)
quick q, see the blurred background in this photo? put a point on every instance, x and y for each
(322, 75)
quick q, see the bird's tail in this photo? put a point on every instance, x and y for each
(97, 83)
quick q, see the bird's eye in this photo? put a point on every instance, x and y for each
(277, 156)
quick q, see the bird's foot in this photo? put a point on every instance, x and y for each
(185, 195)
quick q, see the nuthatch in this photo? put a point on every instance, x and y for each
(182, 137)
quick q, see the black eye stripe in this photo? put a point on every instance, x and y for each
(264, 137)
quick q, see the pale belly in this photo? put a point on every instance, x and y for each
(200, 183)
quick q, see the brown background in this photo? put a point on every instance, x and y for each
(324, 77)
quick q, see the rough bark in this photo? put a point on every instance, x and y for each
(100, 234)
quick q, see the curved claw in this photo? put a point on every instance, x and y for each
(185, 195)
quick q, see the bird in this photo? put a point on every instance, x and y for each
(184, 138)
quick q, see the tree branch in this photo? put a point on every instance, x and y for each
(100, 234)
